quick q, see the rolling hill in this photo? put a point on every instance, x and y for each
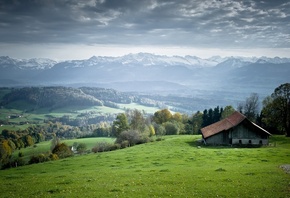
(175, 167)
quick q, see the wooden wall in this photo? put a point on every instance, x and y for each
(238, 135)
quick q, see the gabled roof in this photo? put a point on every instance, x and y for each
(231, 121)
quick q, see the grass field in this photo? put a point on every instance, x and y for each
(150, 110)
(175, 167)
(44, 147)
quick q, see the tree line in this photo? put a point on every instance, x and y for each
(58, 97)
(135, 127)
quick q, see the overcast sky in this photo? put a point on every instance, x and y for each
(79, 29)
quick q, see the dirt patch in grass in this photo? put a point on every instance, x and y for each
(286, 168)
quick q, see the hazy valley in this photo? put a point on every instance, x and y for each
(200, 83)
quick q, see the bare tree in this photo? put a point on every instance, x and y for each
(240, 107)
(251, 107)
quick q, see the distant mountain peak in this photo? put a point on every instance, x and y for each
(140, 60)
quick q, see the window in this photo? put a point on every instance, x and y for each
(240, 141)
(250, 141)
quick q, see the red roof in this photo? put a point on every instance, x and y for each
(225, 124)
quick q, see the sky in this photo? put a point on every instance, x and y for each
(79, 29)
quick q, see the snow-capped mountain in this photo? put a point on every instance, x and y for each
(137, 72)
(141, 59)
(232, 62)
(275, 60)
(34, 63)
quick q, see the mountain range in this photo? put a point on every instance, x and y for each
(154, 74)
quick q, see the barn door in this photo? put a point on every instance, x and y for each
(226, 137)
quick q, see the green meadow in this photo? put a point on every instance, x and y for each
(174, 167)
(44, 147)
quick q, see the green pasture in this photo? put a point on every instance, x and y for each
(44, 147)
(90, 142)
(150, 110)
(175, 167)
(14, 127)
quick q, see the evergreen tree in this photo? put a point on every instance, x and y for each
(216, 114)
(205, 118)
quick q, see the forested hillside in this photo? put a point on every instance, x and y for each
(51, 97)
(59, 97)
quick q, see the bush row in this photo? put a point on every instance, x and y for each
(124, 140)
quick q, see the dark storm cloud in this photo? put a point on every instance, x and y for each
(152, 22)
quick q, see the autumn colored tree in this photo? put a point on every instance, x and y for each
(28, 140)
(177, 117)
(162, 116)
(151, 130)
(5, 151)
(62, 150)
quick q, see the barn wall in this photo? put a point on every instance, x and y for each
(238, 135)
(243, 135)
(220, 138)
(250, 141)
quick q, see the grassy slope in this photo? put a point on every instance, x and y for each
(174, 167)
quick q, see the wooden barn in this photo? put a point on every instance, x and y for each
(235, 129)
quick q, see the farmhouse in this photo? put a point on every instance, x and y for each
(235, 129)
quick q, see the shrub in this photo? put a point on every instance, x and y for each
(159, 130)
(19, 161)
(39, 159)
(102, 147)
(159, 139)
(171, 128)
(113, 147)
(42, 158)
(124, 144)
(81, 148)
(14, 163)
(132, 136)
(53, 157)
(62, 150)
(145, 139)
(33, 160)
(20, 154)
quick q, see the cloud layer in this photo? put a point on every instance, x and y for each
(187, 23)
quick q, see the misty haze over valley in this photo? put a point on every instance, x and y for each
(214, 81)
